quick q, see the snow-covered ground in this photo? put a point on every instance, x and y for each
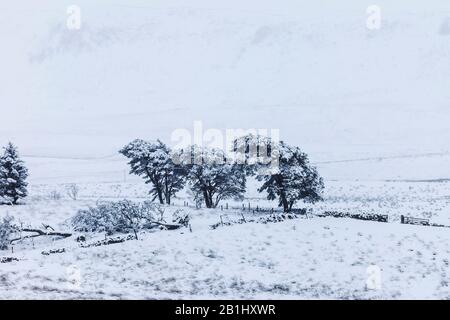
(305, 258)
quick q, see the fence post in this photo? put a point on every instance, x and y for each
(402, 219)
(226, 206)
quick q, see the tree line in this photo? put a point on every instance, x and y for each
(213, 175)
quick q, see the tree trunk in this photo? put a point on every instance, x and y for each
(160, 196)
(40, 233)
(207, 199)
(211, 201)
(284, 202)
(291, 203)
(167, 193)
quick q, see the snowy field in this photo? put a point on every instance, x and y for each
(315, 258)
(310, 257)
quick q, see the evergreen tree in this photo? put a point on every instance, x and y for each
(13, 175)
(7, 228)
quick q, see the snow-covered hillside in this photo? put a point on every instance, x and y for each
(143, 69)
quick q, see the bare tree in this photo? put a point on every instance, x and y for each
(72, 191)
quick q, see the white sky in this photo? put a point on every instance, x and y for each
(145, 68)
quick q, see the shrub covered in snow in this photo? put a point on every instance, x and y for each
(13, 175)
(181, 217)
(7, 228)
(55, 195)
(124, 217)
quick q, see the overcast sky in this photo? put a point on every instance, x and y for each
(145, 68)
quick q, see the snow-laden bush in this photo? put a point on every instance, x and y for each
(124, 217)
(7, 228)
(55, 195)
(181, 217)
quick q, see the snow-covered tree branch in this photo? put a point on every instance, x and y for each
(153, 162)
